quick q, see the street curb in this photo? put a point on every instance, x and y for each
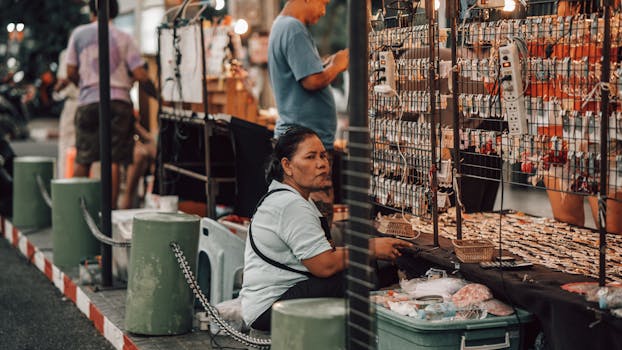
(109, 330)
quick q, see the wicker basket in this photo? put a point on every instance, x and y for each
(473, 250)
(397, 227)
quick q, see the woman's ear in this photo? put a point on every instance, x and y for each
(287, 167)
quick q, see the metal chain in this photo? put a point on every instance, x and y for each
(95, 230)
(211, 310)
(44, 192)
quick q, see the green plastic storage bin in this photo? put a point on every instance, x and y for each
(402, 332)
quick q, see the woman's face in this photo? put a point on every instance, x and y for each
(308, 169)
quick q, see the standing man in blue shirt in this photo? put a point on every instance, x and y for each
(301, 78)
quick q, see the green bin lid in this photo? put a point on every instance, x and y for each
(166, 217)
(74, 180)
(392, 317)
(312, 308)
(33, 159)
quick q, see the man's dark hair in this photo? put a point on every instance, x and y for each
(286, 146)
(113, 7)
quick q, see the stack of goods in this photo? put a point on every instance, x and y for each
(543, 241)
(442, 299)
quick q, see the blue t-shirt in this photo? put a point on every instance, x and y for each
(292, 56)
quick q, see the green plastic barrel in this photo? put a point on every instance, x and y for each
(71, 238)
(159, 300)
(309, 324)
(29, 208)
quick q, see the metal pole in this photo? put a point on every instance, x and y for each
(453, 15)
(210, 187)
(361, 322)
(433, 90)
(604, 133)
(104, 138)
(160, 158)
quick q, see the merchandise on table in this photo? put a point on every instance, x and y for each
(556, 245)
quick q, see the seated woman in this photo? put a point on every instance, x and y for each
(288, 251)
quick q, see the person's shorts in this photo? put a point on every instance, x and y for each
(121, 133)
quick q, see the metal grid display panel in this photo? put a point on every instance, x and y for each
(614, 134)
(560, 71)
(400, 120)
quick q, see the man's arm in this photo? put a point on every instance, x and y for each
(318, 81)
(73, 75)
(140, 74)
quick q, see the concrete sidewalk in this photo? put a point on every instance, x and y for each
(105, 308)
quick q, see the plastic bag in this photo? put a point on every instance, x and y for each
(610, 297)
(231, 312)
(402, 308)
(471, 294)
(441, 286)
(497, 307)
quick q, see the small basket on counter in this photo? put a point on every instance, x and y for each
(473, 250)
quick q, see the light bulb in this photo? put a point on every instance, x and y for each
(220, 4)
(509, 5)
(20, 27)
(10, 27)
(240, 27)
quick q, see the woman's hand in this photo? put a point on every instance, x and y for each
(387, 248)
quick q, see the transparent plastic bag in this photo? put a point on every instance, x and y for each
(231, 312)
(445, 287)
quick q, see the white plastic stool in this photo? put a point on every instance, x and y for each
(225, 252)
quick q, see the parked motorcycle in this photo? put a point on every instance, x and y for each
(13, 112)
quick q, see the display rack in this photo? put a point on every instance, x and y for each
(190, 158)
(186, 127)
(489, 149)
(211, 147)
(403, 113)
(556, 72)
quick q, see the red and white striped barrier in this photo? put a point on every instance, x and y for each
(109, 330)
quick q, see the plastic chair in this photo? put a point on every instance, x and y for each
(221, 259)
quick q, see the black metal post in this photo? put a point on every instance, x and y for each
(453, 18)
(604, 144)
(104, 138)
(160, 159)
(361, 320)
(210, 186)
(431, 14)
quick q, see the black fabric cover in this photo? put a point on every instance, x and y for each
(253, 146)
(238, 150)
